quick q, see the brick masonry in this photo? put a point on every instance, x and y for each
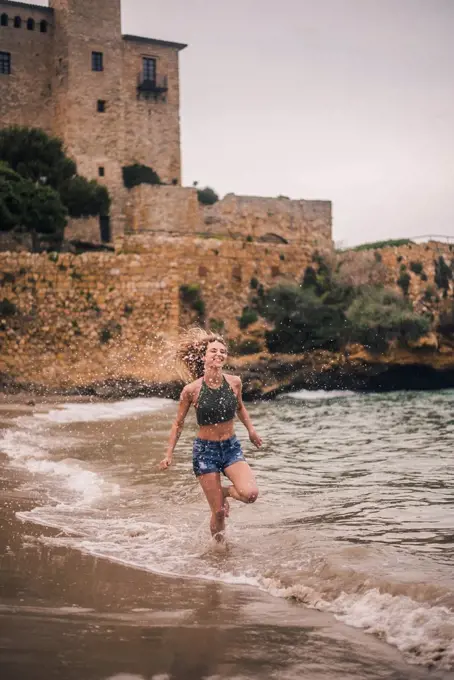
(52, 86)
(101, 315)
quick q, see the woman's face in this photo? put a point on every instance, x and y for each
(216, 355)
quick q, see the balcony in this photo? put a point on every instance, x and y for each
(152, 87)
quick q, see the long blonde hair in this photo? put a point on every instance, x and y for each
(191, 350)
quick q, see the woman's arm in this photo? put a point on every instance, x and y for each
(177, 427)
(245, 418)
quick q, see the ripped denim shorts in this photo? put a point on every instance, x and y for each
(211, 456)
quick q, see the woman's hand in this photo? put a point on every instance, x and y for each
(164, 464)
(255, 438)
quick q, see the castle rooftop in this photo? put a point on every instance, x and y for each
(28, 5)
(155, 41)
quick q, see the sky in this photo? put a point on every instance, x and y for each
(346, 100)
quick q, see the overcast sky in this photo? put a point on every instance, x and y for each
(347, 100)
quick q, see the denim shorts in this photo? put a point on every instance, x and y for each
(211, 456)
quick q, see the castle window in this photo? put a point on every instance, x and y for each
(97, 61)
(43, 26)
(17, 22)
(149, 69)
(101, 106)
(30, 24)
(5, 63)
(4, 20)
(101, 171)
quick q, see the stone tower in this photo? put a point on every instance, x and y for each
(113, 99)
(88, 69)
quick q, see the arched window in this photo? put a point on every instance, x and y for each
(30, 24)
(17, 22)
(43, 26)
(4, 20)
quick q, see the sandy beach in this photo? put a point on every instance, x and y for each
(67, 615)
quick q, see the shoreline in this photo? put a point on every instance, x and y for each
(68, 614)
(263, 380)
(54, 598)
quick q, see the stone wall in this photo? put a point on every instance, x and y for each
(99, 315)
(385, 266)
(75, 319)
(306, 224)
(171, 210)
(282, 220)
(52, 86)
(83, 318)
(25, 95)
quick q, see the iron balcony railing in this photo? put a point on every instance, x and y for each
(147, 84)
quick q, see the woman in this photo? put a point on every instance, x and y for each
(216, 397)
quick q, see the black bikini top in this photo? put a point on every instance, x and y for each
(216, 405)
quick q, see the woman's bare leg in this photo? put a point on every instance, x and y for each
(244, 487)
(211, 485)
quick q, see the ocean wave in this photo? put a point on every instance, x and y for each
(314, 395)
(92, 412)
(423, 632)
(410, 616)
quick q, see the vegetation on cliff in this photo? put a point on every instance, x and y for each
(326, 311)
(40, 187)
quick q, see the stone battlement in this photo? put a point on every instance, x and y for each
(176, 210)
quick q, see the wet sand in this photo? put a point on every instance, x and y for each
(66, 615)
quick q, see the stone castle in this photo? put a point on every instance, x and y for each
(114, 101)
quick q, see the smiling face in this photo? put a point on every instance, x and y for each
(216, 355)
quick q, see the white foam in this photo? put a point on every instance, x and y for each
(314, 395)
(30, 446)
(93, 412)
(423, 633)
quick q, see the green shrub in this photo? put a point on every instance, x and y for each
(446, 323)
(110, 331)
(403, 282)
(249, 238)
(378, 256)
(443, 274)
(302, 321)
(199, 307)
(9, 277)
(7, 308)
(189, 293)
(136, 174)
(378, 316)
(207, 196)
(281, 257)
(190, 296)
(254, 283)
(128, 310)
(416, 267)
(429, 294)
(309, 278)
(403, 268)
(423, 276)
(216, 325)
(247, 317)
(250, 346)
(376, 245)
